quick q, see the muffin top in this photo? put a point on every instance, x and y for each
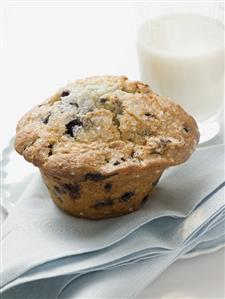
(104, 123)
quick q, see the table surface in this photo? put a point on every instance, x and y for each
(47, 44)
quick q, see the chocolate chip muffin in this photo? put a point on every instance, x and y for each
(102, 144)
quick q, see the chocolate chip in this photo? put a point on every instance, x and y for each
(126, 196)
(108, 187)
(97, 176)
(149, 114)
(122, 159)
(65, 93)
(72, 126)
(103, 100)
(116, 163)
(50, 149)
(46, 119)
(73, 189)
(103, 203)
(186, 129)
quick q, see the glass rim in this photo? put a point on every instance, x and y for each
(165, 53)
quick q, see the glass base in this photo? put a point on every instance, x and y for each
(208, 130)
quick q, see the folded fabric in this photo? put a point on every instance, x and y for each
(206, 247)
(46, 248)
(118, 283)
(96, 284)
(153, 239)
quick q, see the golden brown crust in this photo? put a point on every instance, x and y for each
(105, 125)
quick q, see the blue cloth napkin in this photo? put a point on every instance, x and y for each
(48, 253)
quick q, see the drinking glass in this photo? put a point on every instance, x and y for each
(181, 55)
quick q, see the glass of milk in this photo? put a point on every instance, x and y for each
(181, 56)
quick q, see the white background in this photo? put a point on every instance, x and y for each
(46, 44)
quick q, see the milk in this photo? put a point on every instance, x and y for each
(182, 57)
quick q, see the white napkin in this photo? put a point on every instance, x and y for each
(120, 280)
(36, 232)
(193, 228)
